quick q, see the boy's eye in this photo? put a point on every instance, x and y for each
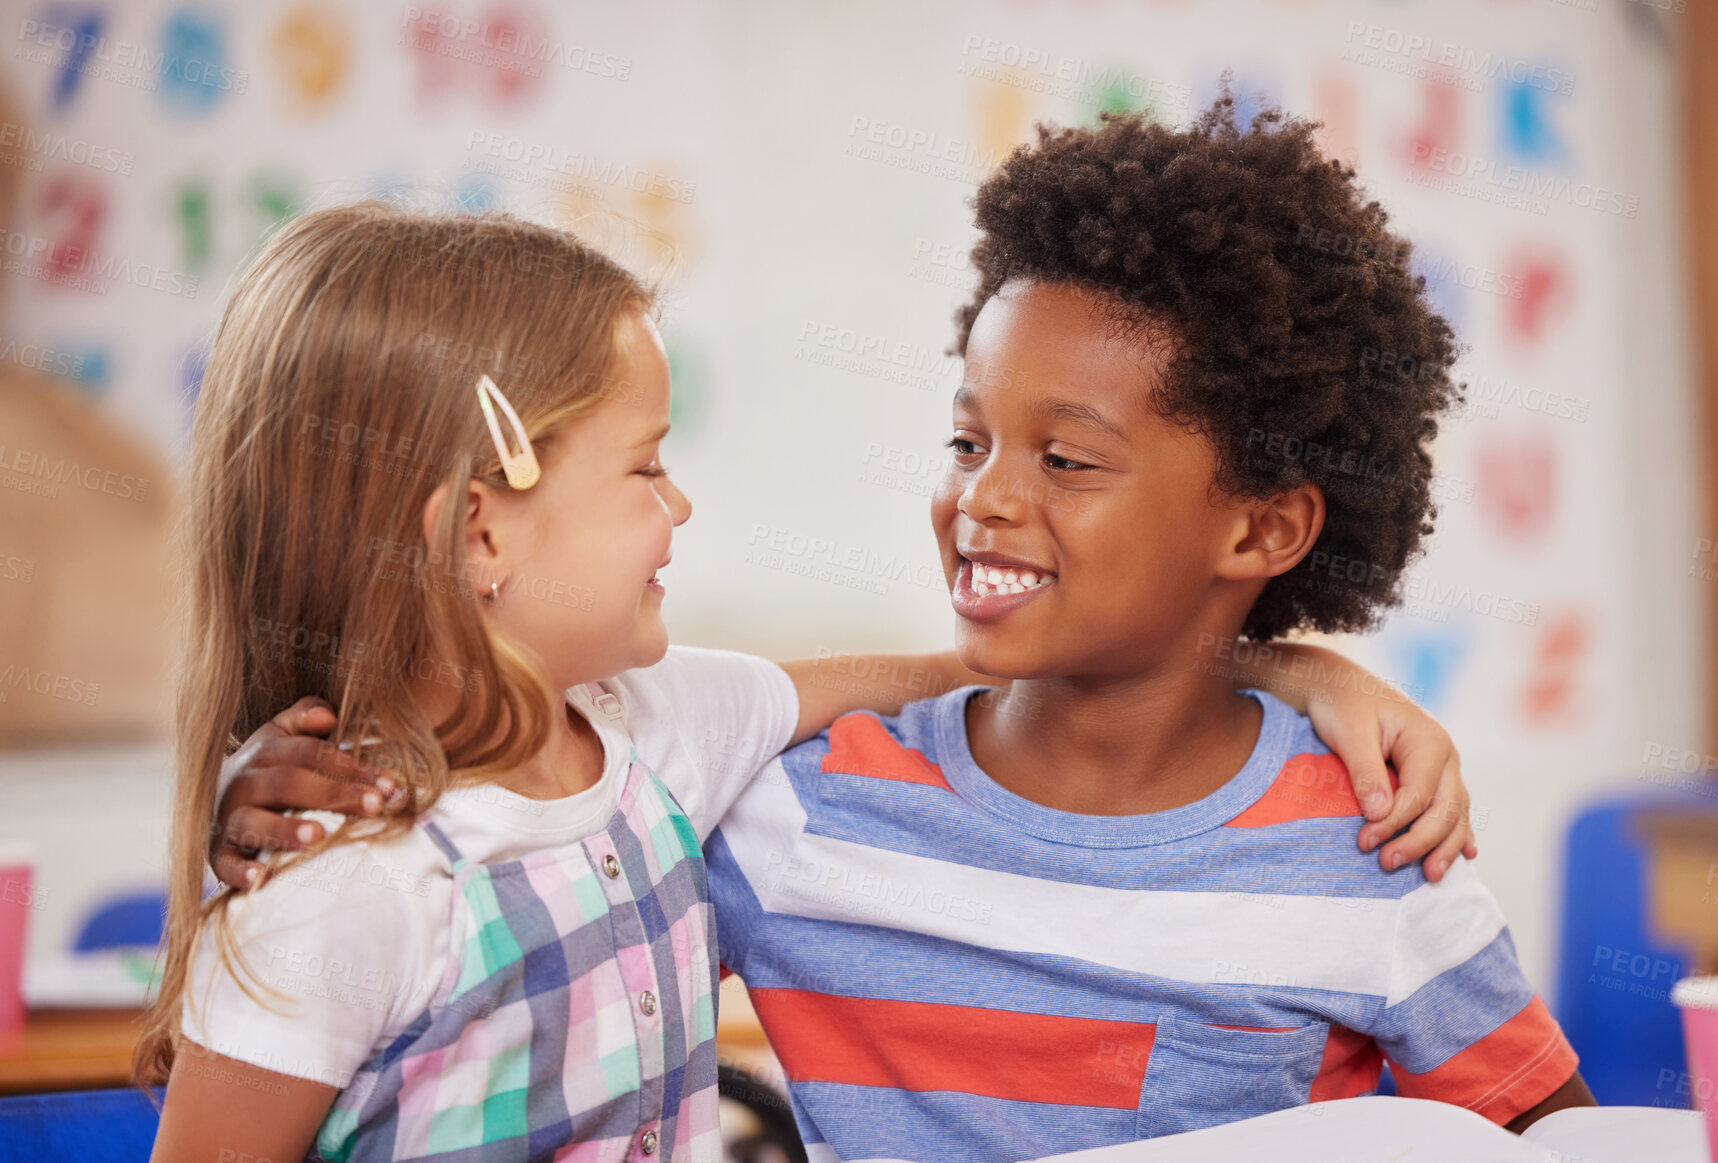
(962, 446)
(1062, 463)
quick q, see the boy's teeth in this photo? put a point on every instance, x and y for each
(987, 579)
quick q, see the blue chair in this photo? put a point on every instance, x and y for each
(1613, 979)
(89, 1126)
(122, 921)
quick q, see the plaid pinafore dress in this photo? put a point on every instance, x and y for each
(576, 1019)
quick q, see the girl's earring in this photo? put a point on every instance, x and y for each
(494, 592)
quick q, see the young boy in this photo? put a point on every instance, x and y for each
(1122, 899)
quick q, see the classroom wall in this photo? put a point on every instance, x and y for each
(799, 174)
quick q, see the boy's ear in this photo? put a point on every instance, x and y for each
(1273, 535)
(480, 512)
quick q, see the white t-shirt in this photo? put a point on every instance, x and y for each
(354, 942)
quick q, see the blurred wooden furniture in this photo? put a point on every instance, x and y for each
(1698, 46)
(70, 1050)
(89, 577)
(1682, 881)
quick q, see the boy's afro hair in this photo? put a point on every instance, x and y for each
(1300, 344)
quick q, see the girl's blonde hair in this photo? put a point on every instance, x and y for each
(339, 395)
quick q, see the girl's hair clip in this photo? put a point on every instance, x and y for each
(521, 467)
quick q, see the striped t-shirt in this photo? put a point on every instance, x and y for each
(950, 971)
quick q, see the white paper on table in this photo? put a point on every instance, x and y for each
(1601, 1134)
(1379, 1129)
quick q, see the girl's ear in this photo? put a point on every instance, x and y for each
(480, 511)
(1274, 535)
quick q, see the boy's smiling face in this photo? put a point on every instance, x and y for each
(1103, 510)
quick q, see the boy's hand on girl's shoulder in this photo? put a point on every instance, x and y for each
(287, 765)
(1427, 796)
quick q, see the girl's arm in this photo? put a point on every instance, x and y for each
(220, 1109)
(1368, 723)
(832, 684)
(1362, 718)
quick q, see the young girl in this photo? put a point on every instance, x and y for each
(427, 490)
(518, 959)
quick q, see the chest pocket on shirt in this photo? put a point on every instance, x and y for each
(1201, 1075)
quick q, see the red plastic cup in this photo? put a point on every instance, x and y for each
(15, 898)
(1697, 998)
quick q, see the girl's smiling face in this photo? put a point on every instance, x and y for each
(1079, 530)
(576, 556)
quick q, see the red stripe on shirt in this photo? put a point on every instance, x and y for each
(1510, 1070)
(909, 1045)
(859, 744)
(1308, 787)
(1351, 1066)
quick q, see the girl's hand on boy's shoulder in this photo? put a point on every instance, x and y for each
(1429, 799)
(287, 765)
